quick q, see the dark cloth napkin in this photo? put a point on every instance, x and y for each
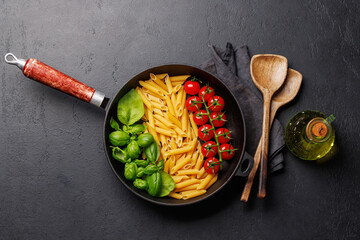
(232, 66)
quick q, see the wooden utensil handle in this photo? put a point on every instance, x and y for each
(49, 76)
(265, 146)
(250, 180)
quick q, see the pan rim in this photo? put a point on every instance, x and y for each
(185, 203)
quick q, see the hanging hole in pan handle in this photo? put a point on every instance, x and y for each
(246, 164)
(10, 58)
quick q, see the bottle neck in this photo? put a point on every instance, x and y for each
(318, 130)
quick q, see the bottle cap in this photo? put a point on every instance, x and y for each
(318, 130)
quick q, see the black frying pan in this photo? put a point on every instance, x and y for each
(235, 120)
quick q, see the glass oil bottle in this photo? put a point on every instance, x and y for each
(309, 135)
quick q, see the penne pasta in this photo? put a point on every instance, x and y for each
(159, 106)
(174, 119)
(165, 132)
(180, 164)
(170, 105)
(186, 183)
(181, 78)
(184, 122)
(143, 98)
(149, 94)
(165, 121)
(167, 165)
(192, 193)
(205, 181)
(173, 101)
(175, 195)
(201, 173)
(174, 129)
(150, 117)
(151, 88)
(157, 80)
(161, 76)
(179, 150)
(168, 84)
(154, 99)
(155, 85)
(187, 172)
(190, 187)
(154, 134)
(161, 125)
(212, 181)
(178, 179)
(199, 162)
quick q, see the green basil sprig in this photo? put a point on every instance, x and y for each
(130, 108)
(119, 138)
(120, 155)
(152, 152)
(133, 150)
(130, 171)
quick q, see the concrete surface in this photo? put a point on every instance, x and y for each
(55, 182)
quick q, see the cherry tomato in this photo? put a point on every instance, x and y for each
(228, 154)
(209, 149)
(218, 119)
(192, 102)
(200, 118)
(191, 87)
(216, 103)
(212, 165)
(205, 132)
(207, 92)
(224, 135)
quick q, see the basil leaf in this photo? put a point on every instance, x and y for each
(133, 150)
(167, 184)
(130, 108)
(135, 129)
(120, 155)
(141, 163)
(141, 184)
(114, 124)
(150, 169)
(145, 139)
(152, 152)
(130, 171)
(154, 183)
(119, 138)
(160, 164)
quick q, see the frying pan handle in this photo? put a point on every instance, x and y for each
(245, 166)
(51, 77)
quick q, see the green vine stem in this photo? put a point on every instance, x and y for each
(214, 129)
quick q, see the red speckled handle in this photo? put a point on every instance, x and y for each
(47, 75)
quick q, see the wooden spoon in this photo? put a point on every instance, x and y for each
(268, 73)
(284, 95)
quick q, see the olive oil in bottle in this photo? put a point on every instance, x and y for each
(309, 135)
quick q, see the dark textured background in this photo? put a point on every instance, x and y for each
(55, 182)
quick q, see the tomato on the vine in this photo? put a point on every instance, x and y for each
(218, 119)
(212, 165)
(193, 103)
(206, 92)
(200, 117)
(209, 149)
(227, 151)
(224, 135)
(216, 103)
(191, 87)
(206, 132)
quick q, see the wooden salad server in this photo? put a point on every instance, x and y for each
(284, 95)
(268, 73)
